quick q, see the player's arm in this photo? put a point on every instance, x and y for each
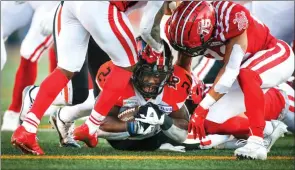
(150, 24)
(184, 62)
(111, 123)
(234, 53)
(175, 125)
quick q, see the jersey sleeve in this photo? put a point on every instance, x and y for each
(177, 91)
(237, 21)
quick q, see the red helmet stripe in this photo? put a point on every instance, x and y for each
(186, 19)
(179, 19)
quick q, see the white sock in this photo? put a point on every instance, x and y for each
(72, 113)
(268, 129)
(31, 123)
(94, 121)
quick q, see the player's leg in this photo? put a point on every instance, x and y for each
(52, 58)
(58, 79)
(113, 33)
(13, 16)
(31, 50)
(263, 70)
(287, 116)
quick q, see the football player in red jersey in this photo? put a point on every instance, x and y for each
(109, 26)
(253, 59)
(158, 87)
(15, 15)
(279, 117)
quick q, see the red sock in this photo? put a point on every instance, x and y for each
(90, 84)
(48, 91)
(52, 58)
(113, 88)
(26, 75)
(234, 126)
(254, 100)
(274, 104)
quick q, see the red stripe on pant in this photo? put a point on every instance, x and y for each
(59, 21)
(264, 57)
(277, 61)
(41, 47)
(119, 35)
(127, 30)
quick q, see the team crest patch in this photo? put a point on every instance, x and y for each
(166, 109)
(241, 19)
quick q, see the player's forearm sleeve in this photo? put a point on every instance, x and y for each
(150, 25)
(173, 132)
(232, 70)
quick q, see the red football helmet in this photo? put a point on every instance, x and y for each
(191, 26)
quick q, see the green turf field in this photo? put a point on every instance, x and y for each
(104, 157)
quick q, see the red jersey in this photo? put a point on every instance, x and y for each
(232, 20)
(172, 97)
(123, 5)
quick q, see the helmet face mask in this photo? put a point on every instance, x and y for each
(150, 77)
(195, 51)
(190, 29)
(150, 80)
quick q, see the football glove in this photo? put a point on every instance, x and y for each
(136, 128)
(196, 123)
(151, 114)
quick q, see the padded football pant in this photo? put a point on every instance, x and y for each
(148, 144)
(91, 64)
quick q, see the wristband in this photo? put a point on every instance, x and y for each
(207, 102)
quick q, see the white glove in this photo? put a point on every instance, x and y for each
(169, 147)
(151, 117)
(151, 114)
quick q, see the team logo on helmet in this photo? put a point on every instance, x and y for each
(204, 27)
(241, 19)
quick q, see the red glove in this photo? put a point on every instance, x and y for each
(197, 122)
(198, 92)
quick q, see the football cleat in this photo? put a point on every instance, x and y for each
(231, 144)
(10, 121)
(64, 130)
(81, 133)
(26, 141)
(27, 102)
(254, 149)
(279, 128)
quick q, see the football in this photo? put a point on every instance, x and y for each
(126, 114)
